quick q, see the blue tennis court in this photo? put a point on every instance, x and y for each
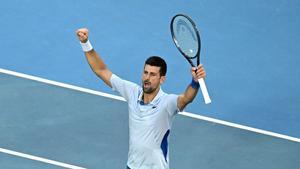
(87, 130)
(55, 113)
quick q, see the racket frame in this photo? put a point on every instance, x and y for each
(197, 55)
(201, 81)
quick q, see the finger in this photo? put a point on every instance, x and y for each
(193, 73)
(82, 35)
(200, 66)
(83, 31)
(202, 75)
(193, 69)
(79, 34)
(200, 70)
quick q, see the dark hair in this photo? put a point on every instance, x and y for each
(159, 62)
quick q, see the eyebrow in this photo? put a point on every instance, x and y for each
(153, 73)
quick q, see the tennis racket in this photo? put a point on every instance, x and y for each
(187, 40)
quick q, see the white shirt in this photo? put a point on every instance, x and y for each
(149, 125)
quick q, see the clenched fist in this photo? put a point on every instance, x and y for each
(83, 34)
(198, 72)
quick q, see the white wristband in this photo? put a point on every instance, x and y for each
(86, 47)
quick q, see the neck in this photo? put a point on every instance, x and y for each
(148, 97)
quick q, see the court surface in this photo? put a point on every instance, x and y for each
(250, 50)
(83, 130)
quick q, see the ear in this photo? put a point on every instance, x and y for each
(162, 79)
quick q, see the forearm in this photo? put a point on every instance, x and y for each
(95, 61)
(98, 66)
(188, 96)
(190, 93)
(192, 90)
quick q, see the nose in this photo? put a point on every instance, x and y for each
(146, 77)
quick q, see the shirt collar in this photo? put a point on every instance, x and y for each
(156, 99)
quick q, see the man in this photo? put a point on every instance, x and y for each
(151, 111)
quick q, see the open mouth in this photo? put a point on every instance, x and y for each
(146, 84)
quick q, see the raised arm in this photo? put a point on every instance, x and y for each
(95, 61)
(191, 91)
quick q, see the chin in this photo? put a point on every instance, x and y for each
(148, 91)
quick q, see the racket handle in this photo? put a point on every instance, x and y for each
(204, 91)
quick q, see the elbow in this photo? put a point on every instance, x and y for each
(100, 71)
(182, 106)
(187, 101)
(184, 101)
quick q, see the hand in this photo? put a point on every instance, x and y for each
(198, 72)
(82, 34)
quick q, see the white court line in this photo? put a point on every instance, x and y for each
(192, 115)
(39, 159)
(68, 86)
(226, 123)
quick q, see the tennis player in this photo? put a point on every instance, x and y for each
(151, 110)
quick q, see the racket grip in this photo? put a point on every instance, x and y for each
(204, 91)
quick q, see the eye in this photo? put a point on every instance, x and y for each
(152, 74)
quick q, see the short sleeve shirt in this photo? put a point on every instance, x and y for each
(149, 125)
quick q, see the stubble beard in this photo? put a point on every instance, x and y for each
(149, 89)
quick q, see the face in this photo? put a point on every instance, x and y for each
(151, 79)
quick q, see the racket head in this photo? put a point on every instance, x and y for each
(186, 36)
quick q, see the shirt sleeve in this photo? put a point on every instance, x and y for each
(124, 87)
(172, 104)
